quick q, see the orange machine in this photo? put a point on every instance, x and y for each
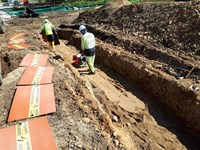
(26, 1)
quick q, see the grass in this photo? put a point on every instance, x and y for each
(75, 3)
(82, 3)
(85, 3)
(134, 1)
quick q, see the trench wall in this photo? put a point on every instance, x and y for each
(180, 102)
(149, 50)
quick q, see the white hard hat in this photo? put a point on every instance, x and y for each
(82, 27)
(46, 20)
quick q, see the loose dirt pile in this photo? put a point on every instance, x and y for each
(173, 25)
(138, 80)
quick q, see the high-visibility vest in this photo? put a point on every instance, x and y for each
(48, 28)
(87, 41)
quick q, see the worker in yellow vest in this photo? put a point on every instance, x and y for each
(48, 28)
(88, 47)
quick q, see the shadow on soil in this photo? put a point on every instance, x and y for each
(158, 111)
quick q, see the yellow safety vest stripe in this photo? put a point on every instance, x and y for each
(87, 41)
(48, 29)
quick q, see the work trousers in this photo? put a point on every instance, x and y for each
(90, 62)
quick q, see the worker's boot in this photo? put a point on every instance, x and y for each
(92, 72)
(53, 44)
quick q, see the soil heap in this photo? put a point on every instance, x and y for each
(172, 25)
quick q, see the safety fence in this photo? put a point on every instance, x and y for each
(55, 8)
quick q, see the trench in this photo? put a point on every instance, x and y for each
(167, 96)
(177, 110)
(174, 64)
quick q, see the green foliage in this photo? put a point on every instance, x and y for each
(72, 3)
(134, 1)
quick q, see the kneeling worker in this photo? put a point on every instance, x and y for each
(88, 47)
(48, 30)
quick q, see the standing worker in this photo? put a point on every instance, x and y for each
(88, 47)
(48, 28)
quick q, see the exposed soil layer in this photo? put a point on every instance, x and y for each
(173, 25)
(160, 42)
(76, 123)
(127, 104)
(155, 67)
(180, 102)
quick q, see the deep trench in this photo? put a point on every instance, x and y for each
(178, 106)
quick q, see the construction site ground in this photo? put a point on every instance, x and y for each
(144, 94)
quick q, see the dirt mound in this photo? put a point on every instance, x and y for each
(172, 25)
(118, 3)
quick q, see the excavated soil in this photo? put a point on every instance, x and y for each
(140, 97)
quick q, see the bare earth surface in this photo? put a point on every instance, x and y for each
(140, 96)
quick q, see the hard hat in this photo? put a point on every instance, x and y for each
(82, 27)
(46, 20)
